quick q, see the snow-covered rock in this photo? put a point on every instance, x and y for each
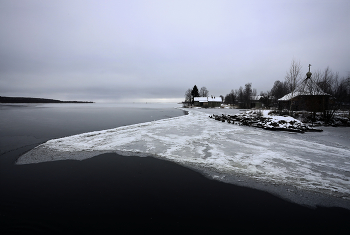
(263, 119)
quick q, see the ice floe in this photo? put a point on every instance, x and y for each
(219, 150)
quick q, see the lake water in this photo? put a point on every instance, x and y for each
(110, 191)
(26, 124)
(28, 193)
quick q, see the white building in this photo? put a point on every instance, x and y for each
(210, 101)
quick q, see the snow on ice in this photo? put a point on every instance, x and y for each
(221, 151)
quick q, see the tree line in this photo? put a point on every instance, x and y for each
(241, 96)
(327, 80)
(191, 93)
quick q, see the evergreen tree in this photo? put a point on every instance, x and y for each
(194, 93)
(231, 98)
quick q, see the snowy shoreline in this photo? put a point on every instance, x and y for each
(317, 169)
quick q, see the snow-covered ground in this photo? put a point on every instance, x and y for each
(307, 168)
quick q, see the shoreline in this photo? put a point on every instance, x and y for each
(290, 193)
(169, 139)
(287, 192)
(32, 100)
(111, 193)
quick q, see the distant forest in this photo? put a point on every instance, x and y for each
(4, 99)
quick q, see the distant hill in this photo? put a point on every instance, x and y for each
(4, 99)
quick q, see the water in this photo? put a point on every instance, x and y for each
(28, 124)
(108, 192)
(40, 197)
(314, 173)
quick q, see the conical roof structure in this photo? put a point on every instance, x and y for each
(306, 87)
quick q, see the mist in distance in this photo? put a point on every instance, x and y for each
(154, 51)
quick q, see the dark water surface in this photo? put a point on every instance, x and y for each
(23, 124)
(112, 193)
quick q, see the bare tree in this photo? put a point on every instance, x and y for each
(254, 92)
(317, 76)
(293, 77)
(247, 93)
(328, 81)
(203, 92)
(188, 95)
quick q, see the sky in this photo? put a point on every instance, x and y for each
(110, 51)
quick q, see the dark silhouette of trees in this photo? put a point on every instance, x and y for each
(266, 98)
(327, 80)
(278, 90)
(194, 93)
(230, 98)
(241, 97)
(338, 88)
(5, 99)
(342, 92)
(191, 93)
(188, 95)
(247, 93)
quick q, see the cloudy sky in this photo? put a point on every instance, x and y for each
(126, 50)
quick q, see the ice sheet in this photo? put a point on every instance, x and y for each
(218, 149)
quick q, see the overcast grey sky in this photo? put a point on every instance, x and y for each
(109, 50)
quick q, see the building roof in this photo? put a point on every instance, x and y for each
(208, 99)
(256, 97)
(214, 99)
(201, 99)
(307, 87)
